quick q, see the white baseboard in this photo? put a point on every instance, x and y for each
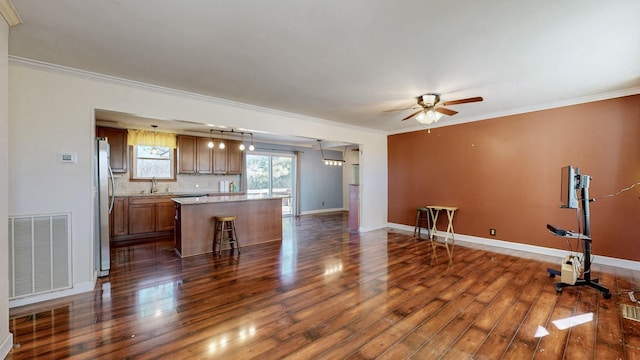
(598, 259)
(321, 211)
(367, 229)
(6, 345)
(76, 289)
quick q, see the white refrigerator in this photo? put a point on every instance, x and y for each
(103, 203)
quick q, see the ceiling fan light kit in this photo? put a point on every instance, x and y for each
(432, 109)
(427, 117)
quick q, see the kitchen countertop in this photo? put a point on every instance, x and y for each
(218, 199)
(178, 194)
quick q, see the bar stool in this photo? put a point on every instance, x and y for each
(422, 221)
(225, 230)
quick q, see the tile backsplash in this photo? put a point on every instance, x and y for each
(183, 184)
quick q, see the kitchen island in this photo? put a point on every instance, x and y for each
(259, 220)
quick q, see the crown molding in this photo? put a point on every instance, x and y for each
(9, 13)
(161, 89)
(528, 109)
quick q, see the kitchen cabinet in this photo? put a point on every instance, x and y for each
(204, 156)
(234, 158)
(119, 218)
(228, 161)
(186, 154)
(164, 215)
(194, 155)
(220, 159)
(139, 217)
(118, 149)
(143, 218)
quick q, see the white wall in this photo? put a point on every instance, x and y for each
(373, 183)
(351, 157)
(6, 340)
(52, 111)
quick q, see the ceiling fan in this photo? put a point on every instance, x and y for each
(432, 109)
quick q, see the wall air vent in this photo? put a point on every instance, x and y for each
(39, 254)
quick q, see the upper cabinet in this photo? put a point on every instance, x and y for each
(228, 160)
(195, 156)
(220, 159)
(234, 158)
(118, 156)
(186, 154)
(204, 156)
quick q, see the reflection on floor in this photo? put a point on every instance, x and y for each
(327, 293)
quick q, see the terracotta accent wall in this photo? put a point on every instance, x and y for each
(504, 173)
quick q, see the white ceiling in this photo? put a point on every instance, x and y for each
(349, 61)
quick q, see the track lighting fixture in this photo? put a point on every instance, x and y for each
(222, 144)
(329, 162)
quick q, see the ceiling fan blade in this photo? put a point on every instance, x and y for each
(463, 101)
(409, 108)
(412, 115)
(446, 111)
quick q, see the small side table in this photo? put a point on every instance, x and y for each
(434, 211)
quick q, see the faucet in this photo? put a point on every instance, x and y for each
(154, 185)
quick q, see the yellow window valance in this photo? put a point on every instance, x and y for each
(151, 138)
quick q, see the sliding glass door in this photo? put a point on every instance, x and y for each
(269, 174)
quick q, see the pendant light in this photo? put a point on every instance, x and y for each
(251, 147)
(154, 149)
(221, 145)
(210, 143)
(242, 142)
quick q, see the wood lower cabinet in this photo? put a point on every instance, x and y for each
(165, 215)
(119, 218)
(139, 217)
(143, 218)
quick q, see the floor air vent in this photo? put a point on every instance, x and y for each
(631, 312)
(39, 254)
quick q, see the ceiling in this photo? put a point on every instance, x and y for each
(349, 61)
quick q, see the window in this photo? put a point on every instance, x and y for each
(272, 175)
(152, 162)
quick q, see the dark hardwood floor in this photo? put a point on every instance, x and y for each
(329, 294)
